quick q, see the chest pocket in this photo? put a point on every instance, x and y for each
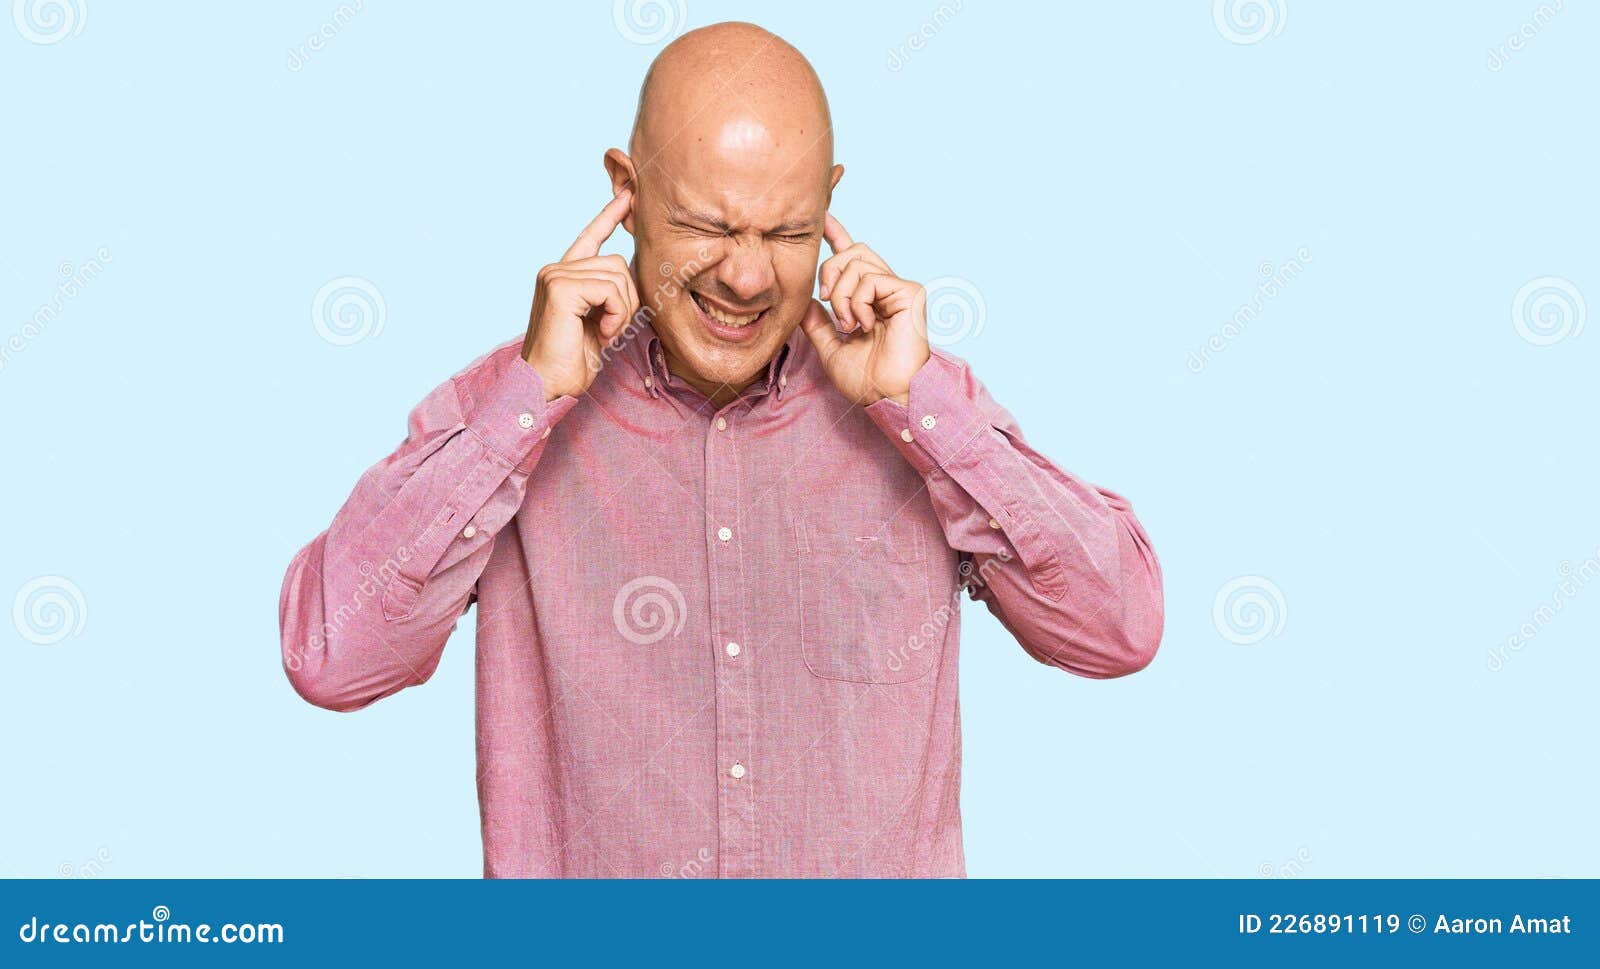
(864, 601)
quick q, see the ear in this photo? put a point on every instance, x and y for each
(833, 181)
(619, 168)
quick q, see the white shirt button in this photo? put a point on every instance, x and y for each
(783, 380)
(905, 435)
(722, 424)
(993, 523)
(648, 383)
(733, 649)
(928, 422)
(736, 771)
(725, 533)
(524, 421)
(469, 531)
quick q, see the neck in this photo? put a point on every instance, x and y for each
(720, 394)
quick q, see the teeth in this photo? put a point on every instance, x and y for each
(727, 319)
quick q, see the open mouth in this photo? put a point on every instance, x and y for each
(724, 322)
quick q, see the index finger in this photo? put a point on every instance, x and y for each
(595, 234)
(838, 239)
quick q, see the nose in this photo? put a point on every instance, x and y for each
(748, 273)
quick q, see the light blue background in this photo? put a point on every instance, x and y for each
(1380, 443)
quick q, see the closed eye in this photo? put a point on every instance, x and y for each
(703, 230)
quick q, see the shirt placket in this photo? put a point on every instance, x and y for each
(737, 771)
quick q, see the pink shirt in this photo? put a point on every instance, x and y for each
(714, 642)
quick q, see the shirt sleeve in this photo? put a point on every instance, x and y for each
(1064, 565)
(367, 606)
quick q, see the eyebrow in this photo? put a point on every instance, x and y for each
(683, 215)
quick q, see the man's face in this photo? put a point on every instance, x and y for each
(727, 227)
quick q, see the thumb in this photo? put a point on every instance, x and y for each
(819, 326)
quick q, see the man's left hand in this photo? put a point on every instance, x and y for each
(881, 338)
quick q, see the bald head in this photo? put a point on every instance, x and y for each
(729, 75)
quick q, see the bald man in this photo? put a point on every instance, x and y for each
(717, 531)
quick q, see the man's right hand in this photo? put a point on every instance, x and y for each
(580, 304)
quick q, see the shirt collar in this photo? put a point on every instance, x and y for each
(654, 365)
